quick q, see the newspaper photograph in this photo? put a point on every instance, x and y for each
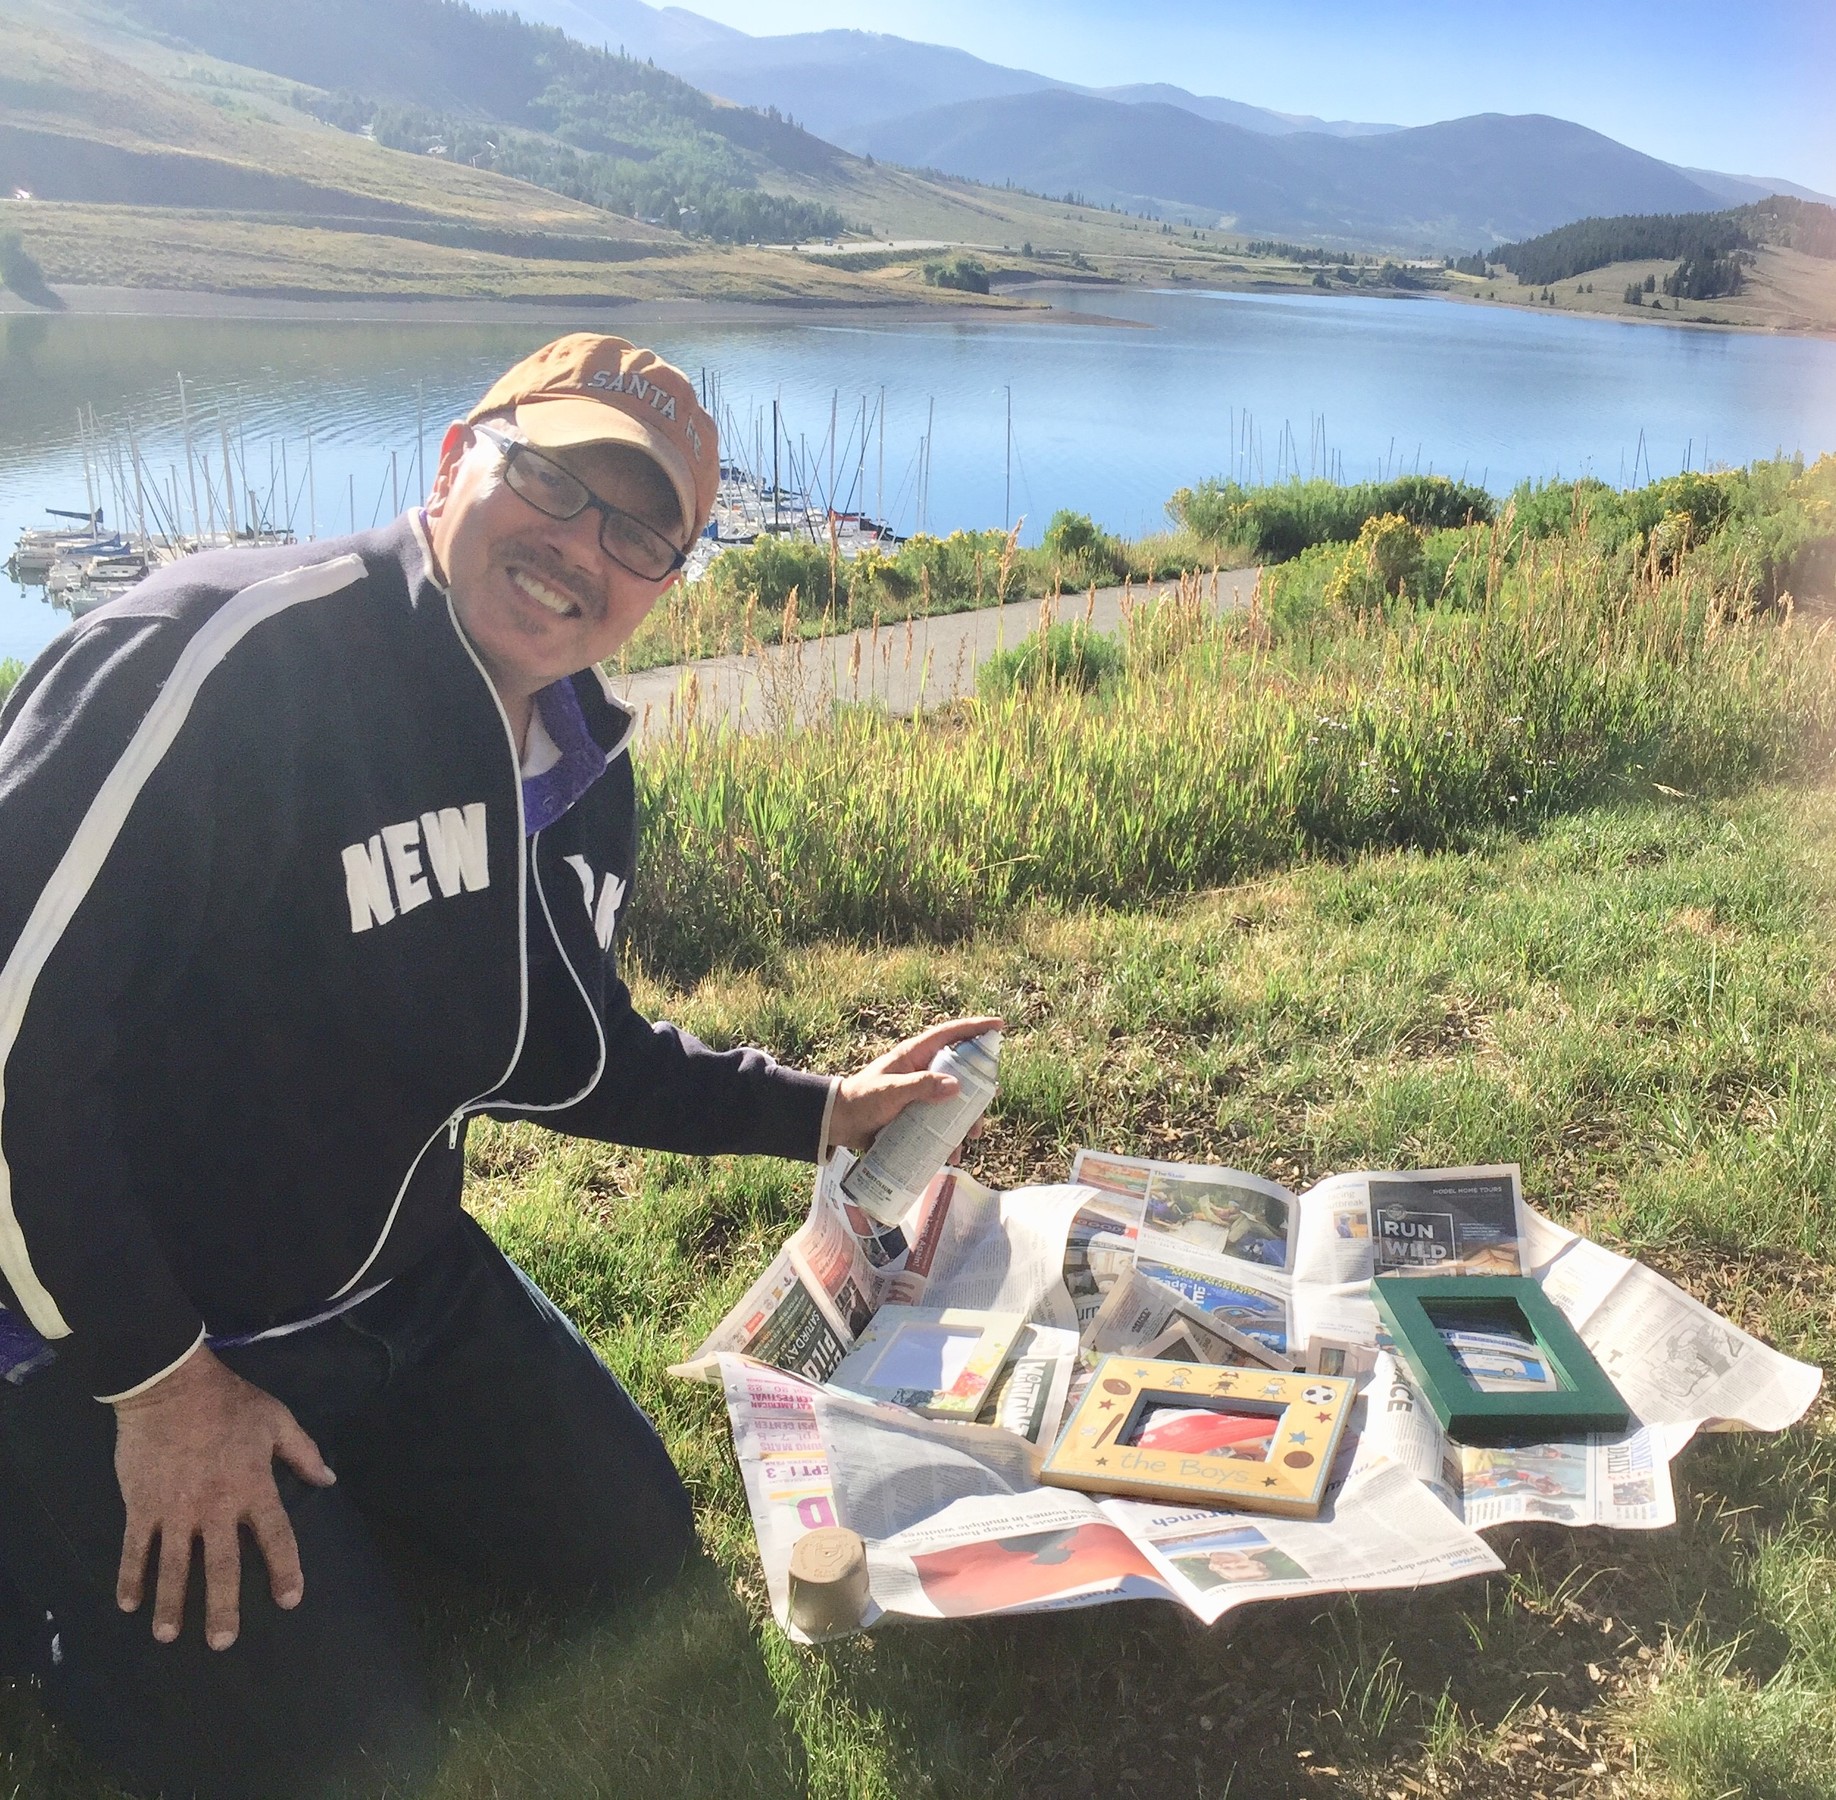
(1223, 1211)
(1099, 1248)
(1622, 1480)
(1448, 1222)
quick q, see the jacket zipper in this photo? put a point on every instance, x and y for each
(535, 862)
(451, 1124)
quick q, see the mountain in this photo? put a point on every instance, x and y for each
(1484, 179)
(663, 34)
(1235, 112)
(841, 83)
(1744, 188)
(860, 89)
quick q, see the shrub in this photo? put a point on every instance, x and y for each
(11, 668)
(1082, 550)
(1386, 558)
(19, 270)
(1283, 520)
(1070, 657)
(962, 272)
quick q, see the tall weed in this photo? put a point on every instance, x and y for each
(1221, 748)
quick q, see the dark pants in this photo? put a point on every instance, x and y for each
(460, 1410)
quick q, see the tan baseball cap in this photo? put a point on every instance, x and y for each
(587, 389)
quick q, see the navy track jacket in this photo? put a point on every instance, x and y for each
(272, 930)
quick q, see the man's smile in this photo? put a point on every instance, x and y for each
(544, 594)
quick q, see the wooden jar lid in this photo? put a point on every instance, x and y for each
(828, 1581)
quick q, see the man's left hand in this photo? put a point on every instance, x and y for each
(869, 1101)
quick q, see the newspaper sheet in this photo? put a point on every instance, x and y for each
(1099, 1248)
(1223, 1211)
(960, 1245)
(956, 1527)
(806, 1310)
(1211, 1232)
(953, 1517)
(1621, 1480)
(994, 1252)
(1385, 1531)
(1676, 1362)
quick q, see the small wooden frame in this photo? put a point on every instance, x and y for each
(1193, 1433)
(966, 1349)
(1585, 1402)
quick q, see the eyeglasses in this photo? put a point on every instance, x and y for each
(635, 546)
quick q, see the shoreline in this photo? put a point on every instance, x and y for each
(1672, 322)
(1030, 304)
(393, 309)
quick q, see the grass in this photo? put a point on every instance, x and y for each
(1281, 520)
(1633, 1001)
(1785, 290)
(1589, 932)
(1748, 536)
(271, 256)
(1225, 747)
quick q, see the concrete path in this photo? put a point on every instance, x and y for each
(903, 666)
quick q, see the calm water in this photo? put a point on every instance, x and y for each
(1106, 419)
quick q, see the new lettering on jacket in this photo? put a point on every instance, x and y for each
(603, 909)
(403, 866)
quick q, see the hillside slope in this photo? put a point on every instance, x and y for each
(841, 82)
(1770, 264)
(171, 170)
(157, 164)
(82, 124)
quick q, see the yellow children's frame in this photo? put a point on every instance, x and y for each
(1097, 1452)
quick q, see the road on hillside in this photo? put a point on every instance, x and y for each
(904, 666)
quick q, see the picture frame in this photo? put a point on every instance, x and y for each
(1582, 1401)
(938, 1361)
(1256, 1440)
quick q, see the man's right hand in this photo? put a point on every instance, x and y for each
(195, 1458)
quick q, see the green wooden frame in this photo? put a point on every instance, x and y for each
(1588, 1401)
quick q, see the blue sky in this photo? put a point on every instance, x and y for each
(1742, 85)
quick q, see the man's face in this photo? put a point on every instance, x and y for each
(538, 597)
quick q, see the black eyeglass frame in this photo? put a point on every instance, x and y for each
(512, 448)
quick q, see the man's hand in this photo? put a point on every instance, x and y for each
(872, 1099)
(195, 1458)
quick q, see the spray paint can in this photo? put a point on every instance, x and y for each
(900, 1162)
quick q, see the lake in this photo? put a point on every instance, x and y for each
(1108, 417)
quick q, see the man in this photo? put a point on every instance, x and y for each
(311, 855)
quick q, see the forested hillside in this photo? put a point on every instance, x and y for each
(1702, 239)
(492, 90)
